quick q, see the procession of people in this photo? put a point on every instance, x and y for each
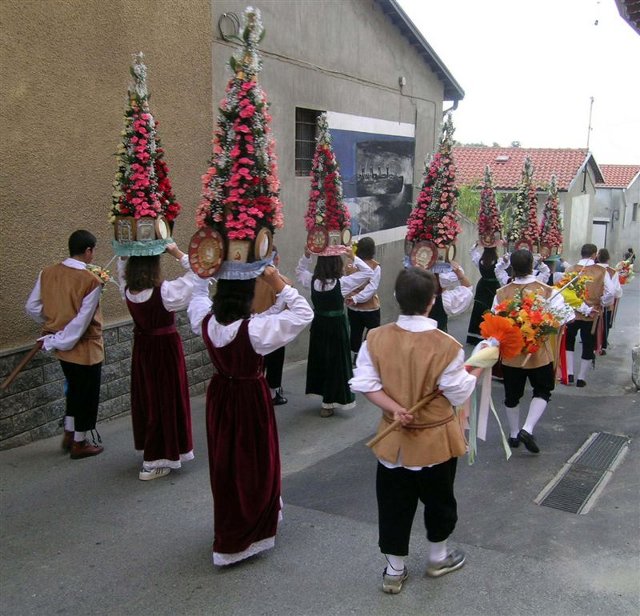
(246, 311)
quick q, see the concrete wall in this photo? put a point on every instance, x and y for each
(345, 57)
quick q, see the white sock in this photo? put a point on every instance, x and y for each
(395, 564)
(536, 409)
(585, 364)
(328, 405)
(437, 551)
(69, 423)
(569, 355)
(78, 437)
(273, 392)
(513, 417)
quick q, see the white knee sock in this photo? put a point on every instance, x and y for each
(69, 423)
(513, 417)
(78, 437)
(536, 409)
(395, 564)
(569, 362)
(437, 551)
(585, 364)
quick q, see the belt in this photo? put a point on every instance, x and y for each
(236, 378)
(158, 331)
(330, 313)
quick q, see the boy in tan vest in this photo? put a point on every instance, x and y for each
(399, 364)
(537, 368)
(600, 294)
(66, 302)
(607, 315)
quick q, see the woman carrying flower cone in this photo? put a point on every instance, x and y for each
(329, 365)
(537, 367)
(160, 406)
(242, 435)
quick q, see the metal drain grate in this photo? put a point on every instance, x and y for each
(575, 488)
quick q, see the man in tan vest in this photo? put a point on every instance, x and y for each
(66, 302)
(398, 365)
(600, 294)
(537, 368)
(363, 304)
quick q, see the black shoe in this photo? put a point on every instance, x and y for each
(570, 378)
(603, 352)
(513, 442)
(529, 441)
(581, 383)
(279, 399)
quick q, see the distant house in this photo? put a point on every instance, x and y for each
(617, 204)
(576, 171)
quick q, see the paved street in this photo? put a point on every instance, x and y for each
(87, 537)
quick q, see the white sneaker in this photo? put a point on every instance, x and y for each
(154, 473)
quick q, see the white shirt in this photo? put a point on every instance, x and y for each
(348, 284)
(70, 334)
(176, 294)
(455, 382)
(268, 330)
(557, 300)
(455, 297)
(540, 268)
(615, 282)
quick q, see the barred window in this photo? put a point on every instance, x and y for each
(306, 125)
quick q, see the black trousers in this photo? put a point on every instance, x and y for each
(542, 379)
(586, 337)
(398, 491)
(83, 393)
(273, 364)
(607, 315)
(358, 322)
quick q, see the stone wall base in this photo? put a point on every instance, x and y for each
(33, 406)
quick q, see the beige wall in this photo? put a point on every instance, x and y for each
(64, 72)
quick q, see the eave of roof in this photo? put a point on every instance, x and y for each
(452, 89)
(619, 176)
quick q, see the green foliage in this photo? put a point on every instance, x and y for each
(469, 202)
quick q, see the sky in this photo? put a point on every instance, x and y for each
(529, 71)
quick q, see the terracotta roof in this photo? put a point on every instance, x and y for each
(507, 163)
(393, 10)
(618, 176)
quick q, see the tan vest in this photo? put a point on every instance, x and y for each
(62, 290)
(595, 288)
(545, 355)
(410, 365)
(373, 303)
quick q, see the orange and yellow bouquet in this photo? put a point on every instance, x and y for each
(625, 272)
(535, 318)
(574, 288)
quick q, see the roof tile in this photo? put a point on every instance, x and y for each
(618, 176)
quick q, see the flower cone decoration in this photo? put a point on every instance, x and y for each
(551, 225)
(143, 203)
(434, 217)
(523, 230)
(489, 223)
(327, 219)
(240, 190)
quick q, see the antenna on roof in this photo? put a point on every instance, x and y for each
(590, 129)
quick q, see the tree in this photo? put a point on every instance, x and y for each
(240, 190)
(434, 216)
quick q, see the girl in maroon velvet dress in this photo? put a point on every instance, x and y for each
(160, 407)
(244, 456)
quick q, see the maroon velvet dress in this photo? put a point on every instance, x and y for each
(160, 407)
(244, 456)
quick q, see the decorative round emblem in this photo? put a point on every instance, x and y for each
(262, 247)
(206, 252)
(317, 239)
(424, 255)
(450, 253)
(346, 236)
(523, 245)
(163, 230)
(545, 251)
